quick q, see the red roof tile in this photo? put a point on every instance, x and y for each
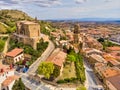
(57, 59)
(114, 48)
(14, 52)
(115, 81)
(9, 80)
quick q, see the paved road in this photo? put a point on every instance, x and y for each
(6, 45)
(91, 82)
(4, 24)
(4, 35)
(44, 56)
(32, 84)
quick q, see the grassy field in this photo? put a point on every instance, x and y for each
(3, 29)
(68, 71)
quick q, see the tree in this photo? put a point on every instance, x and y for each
(56, 72)
(2, 43)
(18, 85)
(101, 39)
(46, 68)
(81, 88)
(71, 58)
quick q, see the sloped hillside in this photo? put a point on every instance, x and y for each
(13, 15)
(9, 18)
(3, 28)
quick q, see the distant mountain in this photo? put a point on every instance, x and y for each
(99, 19)
(89, 20)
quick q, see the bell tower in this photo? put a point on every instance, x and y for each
(76, 33)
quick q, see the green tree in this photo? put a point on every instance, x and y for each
(18, 85)
(81, 88)
(2, 43)
(56, 72)
(46, 68)
(101, 39)
(80, 70)
(71, 58)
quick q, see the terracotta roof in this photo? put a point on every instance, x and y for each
(99, 64)
(114, 48)
(109, 72)
(89, 50)
(116, 55)
(108, 57)
(115, 81)
(98, 58)
(57, 58)
(114, 62)
(14, 52)
(9, 80)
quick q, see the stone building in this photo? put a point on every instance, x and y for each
(28, 33)
(76, 33)
(14, 56)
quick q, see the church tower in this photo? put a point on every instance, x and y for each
(76, 33)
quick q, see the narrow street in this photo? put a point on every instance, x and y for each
(6, 45)
(32, 84)
(44, 56)
(91, 81)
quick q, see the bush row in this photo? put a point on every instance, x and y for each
(67, 80)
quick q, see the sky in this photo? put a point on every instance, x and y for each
(65, 9)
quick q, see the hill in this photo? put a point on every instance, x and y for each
(3, 28)
(9, 18)
(13, 15)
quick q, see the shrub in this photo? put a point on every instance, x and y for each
(67, 80)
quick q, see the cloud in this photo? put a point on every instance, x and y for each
(107, 1)
(46, 3)
(41, 3)
(80, 1)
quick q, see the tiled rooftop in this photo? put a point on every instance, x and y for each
(114, 48)
(57, 58)
(14, 52)
(9, 80)
(115, 80)
(109, 72)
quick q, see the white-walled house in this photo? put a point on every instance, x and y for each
(14, 56)
(7, 77)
